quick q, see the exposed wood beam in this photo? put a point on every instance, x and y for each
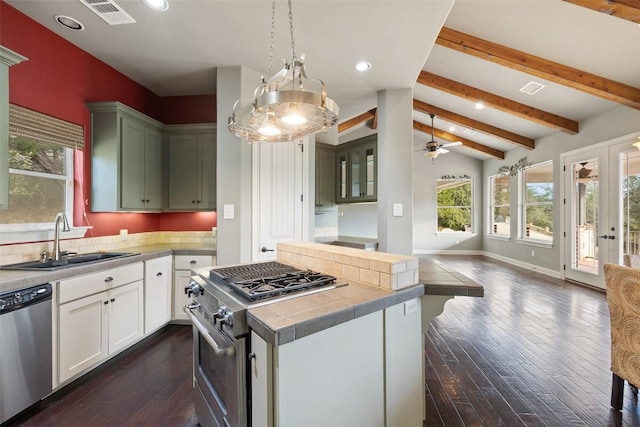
(355, 121)
(474, 124)
(499, 103)
(374, 122)
(624, 9)
(540, 67)
(453, 138)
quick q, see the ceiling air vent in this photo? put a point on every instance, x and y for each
(531, 88)
(109, 11)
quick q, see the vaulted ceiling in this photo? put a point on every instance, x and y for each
(583, 56)
(491, 137)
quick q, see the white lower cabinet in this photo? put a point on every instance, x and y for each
(157, 293)
(182, 265)
(366, 372)
(99, 314)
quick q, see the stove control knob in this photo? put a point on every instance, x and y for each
(193, 288)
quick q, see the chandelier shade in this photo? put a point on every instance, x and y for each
(284, 108)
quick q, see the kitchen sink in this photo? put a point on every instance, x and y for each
(67, 261)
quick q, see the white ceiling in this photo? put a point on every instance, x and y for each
(177, 52)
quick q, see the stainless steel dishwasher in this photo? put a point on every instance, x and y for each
(25, 348)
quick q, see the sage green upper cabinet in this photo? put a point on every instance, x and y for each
(7, 58)
(191, 160)
(356, 171)
(127, 157)
(325, 177)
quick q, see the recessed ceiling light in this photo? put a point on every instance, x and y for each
(479, 105)
(157, 4)
(363, 66)
(452, 128)
(69, 22)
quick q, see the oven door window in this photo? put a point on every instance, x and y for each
(218, 370)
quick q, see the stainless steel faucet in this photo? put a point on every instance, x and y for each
(65, 227)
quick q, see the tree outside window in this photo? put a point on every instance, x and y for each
(39, 175)
(499, 205)
(454, 205)
(537, 218)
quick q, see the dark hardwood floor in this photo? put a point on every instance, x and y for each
(148, 385)
(533, 352)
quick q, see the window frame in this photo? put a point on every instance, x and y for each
(491, 191)
(522, 206)
(471, 208)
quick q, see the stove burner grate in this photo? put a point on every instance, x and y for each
(267, 287)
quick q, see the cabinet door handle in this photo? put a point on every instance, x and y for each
(112, 299)
(109, 279)
(106, 302)
(158, 274)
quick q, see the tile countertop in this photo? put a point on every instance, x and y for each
(440, 279)
(17, 279)
(285, 321)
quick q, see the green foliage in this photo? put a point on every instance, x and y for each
(454, 206)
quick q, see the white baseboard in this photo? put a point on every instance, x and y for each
(526, 265)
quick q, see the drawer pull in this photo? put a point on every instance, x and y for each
(158, 274)
(109, 279)
(193, 261)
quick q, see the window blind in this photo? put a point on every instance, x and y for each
(29, 123)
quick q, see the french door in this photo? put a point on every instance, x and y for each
(601, 194)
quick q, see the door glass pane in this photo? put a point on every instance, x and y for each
(370, 172)
(630, 167)
(586, 193)
(355, 175)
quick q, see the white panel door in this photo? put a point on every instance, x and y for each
(125, 316)
(278, 194)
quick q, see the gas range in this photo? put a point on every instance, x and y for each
(222, 295)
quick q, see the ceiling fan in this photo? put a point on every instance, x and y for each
(434, 148)
(584, 173)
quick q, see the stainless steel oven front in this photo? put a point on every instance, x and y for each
(219, 371)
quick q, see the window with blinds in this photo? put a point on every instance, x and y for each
(40, 167)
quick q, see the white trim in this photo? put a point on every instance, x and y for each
(499, 237)
(526, 265)
(538, 243)
(455, 233)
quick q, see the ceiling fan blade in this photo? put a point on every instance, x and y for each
(442, 150)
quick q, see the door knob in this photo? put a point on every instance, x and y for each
(264, 249)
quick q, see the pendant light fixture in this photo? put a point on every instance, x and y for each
(283, 108)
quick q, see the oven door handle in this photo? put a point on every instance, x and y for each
(217, 349)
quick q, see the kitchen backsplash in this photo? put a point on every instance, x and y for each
(10, 254)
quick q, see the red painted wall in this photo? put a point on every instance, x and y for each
(59, 78)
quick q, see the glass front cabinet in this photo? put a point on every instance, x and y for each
(356, 171)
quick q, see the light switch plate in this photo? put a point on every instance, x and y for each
(228, 212)
(397, 209)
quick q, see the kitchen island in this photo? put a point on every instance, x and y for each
(352, 355)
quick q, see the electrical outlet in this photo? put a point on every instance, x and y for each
(533, 253)
(123, 234)
(410, 306)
